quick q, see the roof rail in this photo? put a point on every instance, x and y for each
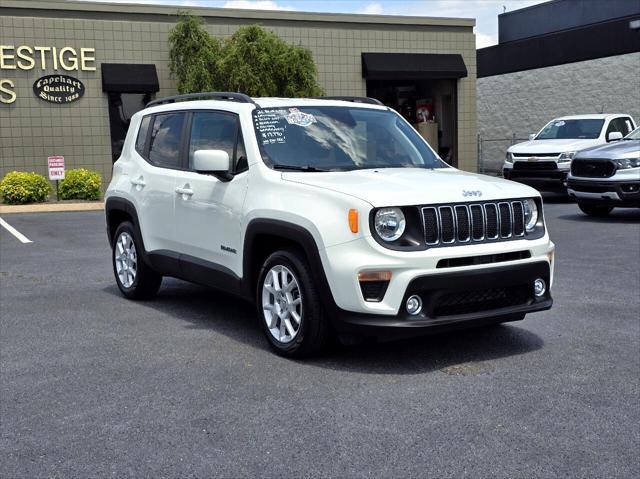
(355, 99)
(217, 95)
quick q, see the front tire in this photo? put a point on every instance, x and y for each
(135, 279)
(595, 210)
(288, 305)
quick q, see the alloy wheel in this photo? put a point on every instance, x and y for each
(282, 304)
(126, 259)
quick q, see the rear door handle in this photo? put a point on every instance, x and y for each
(139, 181)
(184, 190)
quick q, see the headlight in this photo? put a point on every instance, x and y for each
(390, 223)
(567, 156)
(626, 163)
(530, 214)
(508, 157)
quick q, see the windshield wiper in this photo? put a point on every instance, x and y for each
(307, 168)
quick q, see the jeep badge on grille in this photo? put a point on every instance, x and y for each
(477, 193)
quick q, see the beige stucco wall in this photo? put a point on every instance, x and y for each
(31, 129)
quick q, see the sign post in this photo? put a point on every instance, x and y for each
(56, 171)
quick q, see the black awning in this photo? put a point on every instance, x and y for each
(129, 78)
(412, 66)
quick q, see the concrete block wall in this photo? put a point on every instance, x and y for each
(523, 102)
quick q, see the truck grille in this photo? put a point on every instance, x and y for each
(593, 168)
(446, 225)
(535, 165)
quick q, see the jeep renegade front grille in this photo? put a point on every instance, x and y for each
(446, 225)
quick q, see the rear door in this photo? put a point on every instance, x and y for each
(153, 180)
(208, 209)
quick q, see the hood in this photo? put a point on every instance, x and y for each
(414, 186)
(552, 146)
(618, 149)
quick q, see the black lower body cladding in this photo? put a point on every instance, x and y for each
(458, 300)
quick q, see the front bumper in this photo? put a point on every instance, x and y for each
(540, 179)
(458, 300)
(625, 193)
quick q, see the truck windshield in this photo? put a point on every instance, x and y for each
(329, 138)
(571, 129)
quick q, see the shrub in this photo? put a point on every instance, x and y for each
(80, 184)
(18, 187)
(253, 60)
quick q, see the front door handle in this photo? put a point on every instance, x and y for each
(185, 190)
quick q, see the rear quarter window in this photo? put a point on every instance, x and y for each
(143, 132)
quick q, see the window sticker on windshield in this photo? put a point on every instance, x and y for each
(296, 117)
(559, 123)
(270, 126)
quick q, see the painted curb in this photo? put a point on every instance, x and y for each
(51, 207)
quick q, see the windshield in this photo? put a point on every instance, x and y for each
(570, 129)
(634, 135)
(329, 138)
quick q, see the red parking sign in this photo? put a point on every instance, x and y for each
(56, 167)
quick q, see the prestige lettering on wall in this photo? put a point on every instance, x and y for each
(24, 57)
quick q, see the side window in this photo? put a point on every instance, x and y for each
(166, 135)
(618, 124)
(142, 134)
(212, 131)
(628, 125)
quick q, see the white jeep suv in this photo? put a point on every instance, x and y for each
(334, 216)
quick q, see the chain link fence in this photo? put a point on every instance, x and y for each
(491, 153)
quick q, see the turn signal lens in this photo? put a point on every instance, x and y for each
(375, 276)
(353, 220)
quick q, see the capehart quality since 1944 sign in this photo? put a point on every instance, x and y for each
(60, 89)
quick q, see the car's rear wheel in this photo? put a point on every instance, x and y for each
(288, 306)
(595, 210)
(135, 279)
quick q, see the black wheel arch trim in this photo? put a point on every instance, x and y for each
(293, 233)
(123, 205)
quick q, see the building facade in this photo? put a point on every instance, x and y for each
(562, 57)
(71, 74)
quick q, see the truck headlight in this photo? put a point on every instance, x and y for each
(626, 163)
(508, 157)
(389, 223)
(567, 156)
(530, 215)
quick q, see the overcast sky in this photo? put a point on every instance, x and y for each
(484, 11)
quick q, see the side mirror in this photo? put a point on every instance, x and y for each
(211, 161)
(532, 136)
(614, 136)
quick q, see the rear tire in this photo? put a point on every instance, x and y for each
(134, 277)
(595, 210)
(288, 306)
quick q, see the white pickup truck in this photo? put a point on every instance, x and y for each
(545, 160)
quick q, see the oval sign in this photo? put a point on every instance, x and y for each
(58, 89)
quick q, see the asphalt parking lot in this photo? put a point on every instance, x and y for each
(185, 386)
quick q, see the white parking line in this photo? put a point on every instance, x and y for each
(22, 238)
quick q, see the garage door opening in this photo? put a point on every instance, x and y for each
(423, 88)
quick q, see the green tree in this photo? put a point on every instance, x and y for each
(194, 56)
(252, 61)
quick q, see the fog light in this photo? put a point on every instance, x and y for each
(539, 287)
(414, 305)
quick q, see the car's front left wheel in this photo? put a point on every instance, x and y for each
(134, 277)
(289, 308)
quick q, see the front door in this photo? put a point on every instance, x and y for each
(208, 209)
